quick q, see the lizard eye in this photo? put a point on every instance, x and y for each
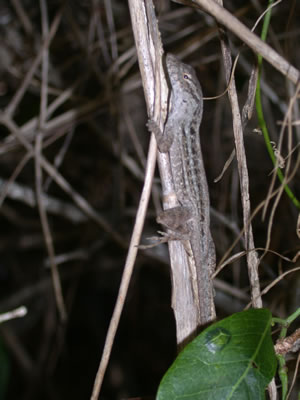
(185, 76)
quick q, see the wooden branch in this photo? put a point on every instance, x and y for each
(225, 18)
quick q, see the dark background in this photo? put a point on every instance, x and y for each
(93, 53)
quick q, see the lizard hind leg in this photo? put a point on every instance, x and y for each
(177, 220)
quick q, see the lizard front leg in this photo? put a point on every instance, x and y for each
(164, 139)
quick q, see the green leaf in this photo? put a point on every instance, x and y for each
(232, 359)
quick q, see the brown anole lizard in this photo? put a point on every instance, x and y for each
(189, 222)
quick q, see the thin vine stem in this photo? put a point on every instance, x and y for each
(260, 113)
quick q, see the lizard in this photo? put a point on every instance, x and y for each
(190, 221)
